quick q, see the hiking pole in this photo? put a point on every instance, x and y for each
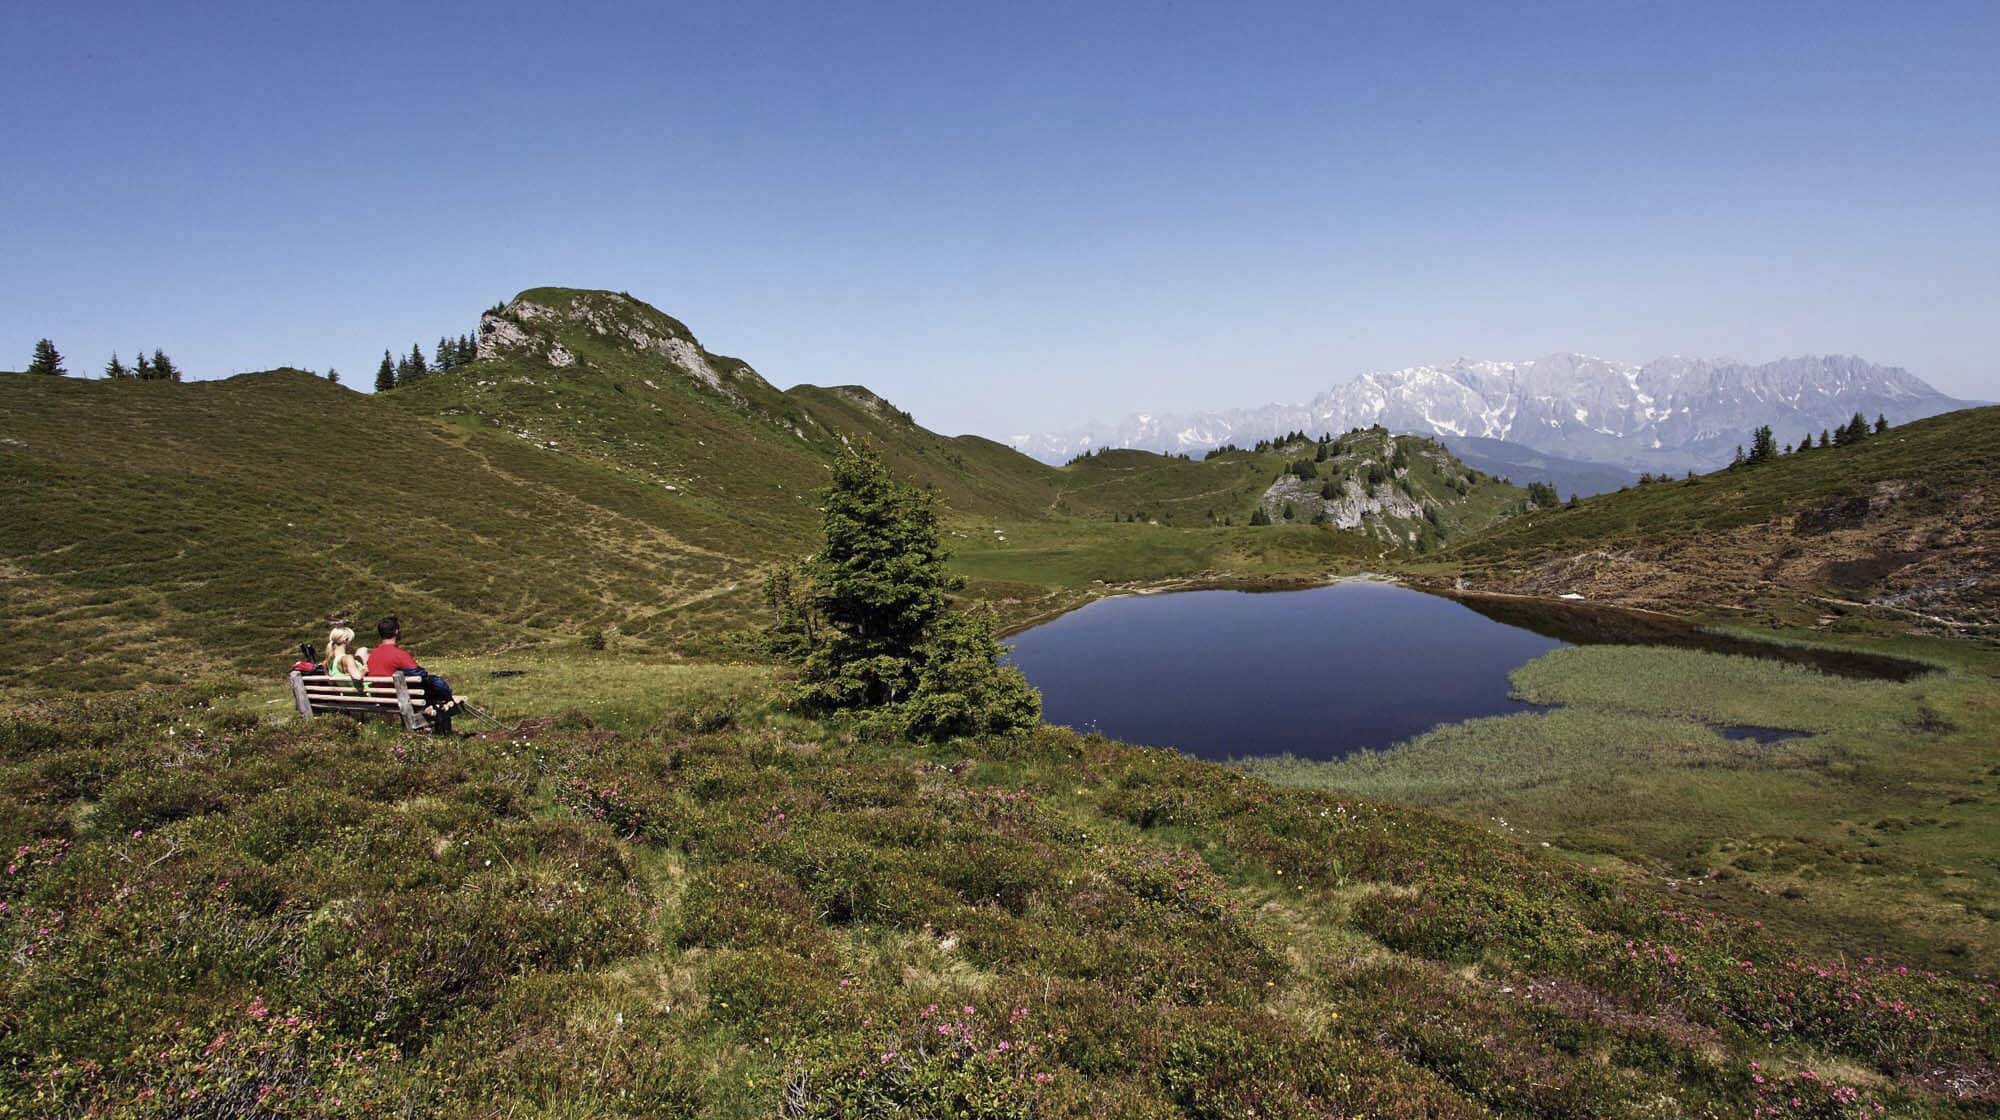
(481, 713)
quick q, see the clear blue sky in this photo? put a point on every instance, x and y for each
(1022, 215)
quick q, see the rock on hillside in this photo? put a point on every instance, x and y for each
(1404, 490)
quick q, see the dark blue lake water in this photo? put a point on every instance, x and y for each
(1318, 673)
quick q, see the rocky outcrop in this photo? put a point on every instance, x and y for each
(534, 324)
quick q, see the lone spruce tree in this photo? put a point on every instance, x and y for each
(46, 360)
(880, 631)
(385, 374)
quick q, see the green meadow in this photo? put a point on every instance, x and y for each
(656, 892)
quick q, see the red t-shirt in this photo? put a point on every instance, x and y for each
(386, 659)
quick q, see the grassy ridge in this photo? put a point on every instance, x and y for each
(673, 901)
(1900, 528)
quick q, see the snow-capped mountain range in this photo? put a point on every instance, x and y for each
(1670, 414)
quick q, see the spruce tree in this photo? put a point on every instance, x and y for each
(1259, 517)
(385, 374)
(879, 583)
(164, 368)
(333, 375)
(1825, 440)
(418, 368)
(1739, 460)
(116, 370)
(1763, 445)
(442, 356)
(1881, 423)
(46, 360)
(143, 368)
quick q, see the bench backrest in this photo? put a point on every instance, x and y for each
(391, 696)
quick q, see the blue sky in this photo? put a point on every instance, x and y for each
(1009, 217)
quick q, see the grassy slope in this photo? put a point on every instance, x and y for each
(673, 901)
(153, 529)
(1902, 527)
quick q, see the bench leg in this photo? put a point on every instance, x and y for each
(299, 695)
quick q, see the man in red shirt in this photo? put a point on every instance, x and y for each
(388, 656)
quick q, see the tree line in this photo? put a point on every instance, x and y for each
(49, 362)
(1764, 445)
(449, 354)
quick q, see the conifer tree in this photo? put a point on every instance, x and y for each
(46, 360)
(116, 370)
(1739, 460)
(143, 368)
(1763, 445)
(418, 369)
(164, 368)
(1259, 517)
(441, 357)
(1881, 423)
(1824, 439)
(333, 375)
(385, 374)
(879, 583)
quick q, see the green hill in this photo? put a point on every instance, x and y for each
(596, 476)
(1900, 528)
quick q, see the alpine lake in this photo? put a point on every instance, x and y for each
(1322, 673)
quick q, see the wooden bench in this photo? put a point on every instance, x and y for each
(391, 697)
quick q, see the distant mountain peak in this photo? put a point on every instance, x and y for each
(1672, 413)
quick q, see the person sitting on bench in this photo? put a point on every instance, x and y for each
(389, 656)
(345, 664)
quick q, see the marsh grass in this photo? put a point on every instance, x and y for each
(1862, 837)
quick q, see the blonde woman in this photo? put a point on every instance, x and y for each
(343, 663)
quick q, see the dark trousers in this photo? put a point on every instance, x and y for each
(437, 693)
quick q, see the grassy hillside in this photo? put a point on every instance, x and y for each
(597, 477)
(1901, 528)
(672, 901)
(154, 529)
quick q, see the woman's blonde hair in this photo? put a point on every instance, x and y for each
(337, 640)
